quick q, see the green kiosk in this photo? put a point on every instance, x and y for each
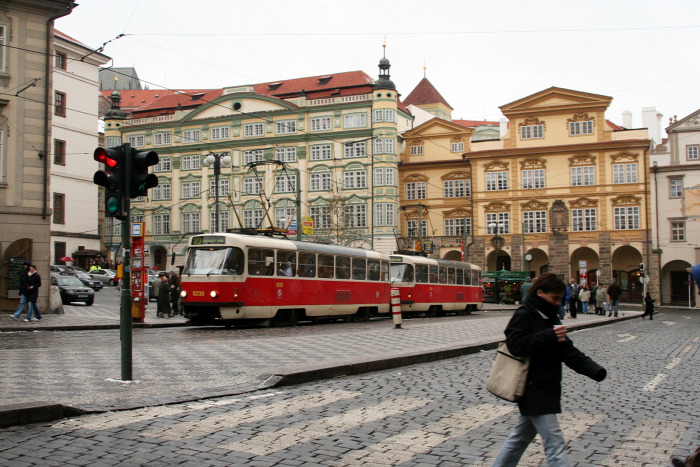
(503, 286)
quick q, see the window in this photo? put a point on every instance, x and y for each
(534, 221)
(61, 60)
(113, 141)
(161, 192)
(356, 215)
(285, 183)
(692, 152)
(285, 127)
(454, 227)
(137, 141)
(584, 219)
(355, 149)
(581, 176)
(626, 218)
(223, 187)
(355, 121)
(581, 128)
(498, 218)
(161, 224)
(676, 187)
(253, 129)
(384, 176)
(677, 231)
(416, 150)
(320, 181)
(355, 179)
(532, 131)
(286, 154)
(59, 250)
(283, 216)
(190, 189)
(163, 165)
(190, 222)
(385, 115)
(457, 147)
(113, 227)
(321, 152)
(384, 145)
(412, 228)
(321, 124)
(59, 208)
(252, 218)
(191, 136)
(3, 49)
(384, 214)
(625, 173)
(533, 179)
(415, 190)
(252, 155)
(191, 163)
(252, 186)
(159, 139)
(60, 104)
(496, 181)
(456, 188)
(59, 152)
(321, 216)
(137, 218)
(223, 220)
(222, 132)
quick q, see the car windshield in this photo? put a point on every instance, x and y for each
(68, 281)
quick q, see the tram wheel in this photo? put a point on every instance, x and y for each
(361, 315)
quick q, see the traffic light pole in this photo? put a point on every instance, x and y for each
(125, 304)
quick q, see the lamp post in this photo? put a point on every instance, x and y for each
(497, 242)
(217, 161)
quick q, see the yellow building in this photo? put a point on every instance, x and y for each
(564, 190)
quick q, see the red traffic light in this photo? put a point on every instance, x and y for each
(109, 157)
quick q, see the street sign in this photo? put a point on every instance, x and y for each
(292, 229)
(307, 226)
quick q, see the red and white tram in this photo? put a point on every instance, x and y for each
(436, 286)
(230, 277)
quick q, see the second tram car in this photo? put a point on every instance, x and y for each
(436, 286)
(231, 278)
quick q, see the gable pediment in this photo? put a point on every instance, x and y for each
(250, 102)
(438, 127)
(555, 99)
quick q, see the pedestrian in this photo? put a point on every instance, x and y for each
(591, 301)
(163, 297)
(93, 267)
(22, 290)
(600, 297)
(573, 298)
(175, 289)
(33, 284)
(584, 295)
(648, 306)
(614, 291)
(531, 332)
(562, 308)
(524, 289)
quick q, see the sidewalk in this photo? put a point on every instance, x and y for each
(208, 365)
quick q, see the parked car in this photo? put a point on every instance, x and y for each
(57, 268)
(72, 289)
(106, 276)
(85, 279)
(75, 268)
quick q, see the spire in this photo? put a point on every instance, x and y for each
(115, 111)
(384, 82)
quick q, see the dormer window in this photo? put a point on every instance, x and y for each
(273, 86)
(197, 96)
(324, 79)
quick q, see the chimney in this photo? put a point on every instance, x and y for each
(651, 119)
(627, 119)
(503, 127)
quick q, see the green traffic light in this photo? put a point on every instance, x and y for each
(112, 205)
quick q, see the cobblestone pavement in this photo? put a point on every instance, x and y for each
(429, 414)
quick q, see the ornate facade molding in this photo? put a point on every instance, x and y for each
(534, 205)
(533, 163)
(415, 213)
(531, 121)
(415, 178)
(495, 166)
(457, 139)
(458, 175)
(457, 212)
(626, 200)
(583, 203)
(581, 159)
(497, 206)
(580, 117)
(625, 156)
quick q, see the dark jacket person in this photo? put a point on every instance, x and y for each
(531, 332)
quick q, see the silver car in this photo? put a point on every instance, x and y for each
(106, 276)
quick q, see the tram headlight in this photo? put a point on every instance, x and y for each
(214, 294)
(183, 294)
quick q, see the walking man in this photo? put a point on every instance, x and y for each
(614, 291)
(22, 290)
(573, 298)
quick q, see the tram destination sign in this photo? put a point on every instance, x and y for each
(209, 240)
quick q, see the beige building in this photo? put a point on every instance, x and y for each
(565, 190)
(27, 108)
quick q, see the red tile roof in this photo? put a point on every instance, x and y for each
(183, 99)
(347, 83)
(475, 123)
(425, 93)
(68, 38)
(614, 126)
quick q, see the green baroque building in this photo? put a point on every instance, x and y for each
(322, 147)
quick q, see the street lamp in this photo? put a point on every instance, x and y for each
(497, 242)
(217, 161)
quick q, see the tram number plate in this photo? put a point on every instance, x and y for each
(342, 295)
(198, 293)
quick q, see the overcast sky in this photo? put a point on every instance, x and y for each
(479, 54)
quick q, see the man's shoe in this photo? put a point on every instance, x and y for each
(35, 319)
(26, 320)
(13, 316)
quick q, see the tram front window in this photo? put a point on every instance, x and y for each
(214, 261)
(401, 273)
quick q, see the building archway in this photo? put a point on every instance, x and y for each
(13, 258)
(539, 263)
(503, 262)
(625, 265)
(453, 255)
(584, 265)
(159, 257)
(678, 286)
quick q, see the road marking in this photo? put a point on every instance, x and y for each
(651, 443)
(273, 441)
(627, 337)
(572, 424)
(687, 349)
(402, 447)
(651, 385)
(669, 322)
(673, 363)
(215, 423)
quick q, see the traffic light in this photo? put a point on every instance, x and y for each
(641, 267)
(141, 180)
(112, 179)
